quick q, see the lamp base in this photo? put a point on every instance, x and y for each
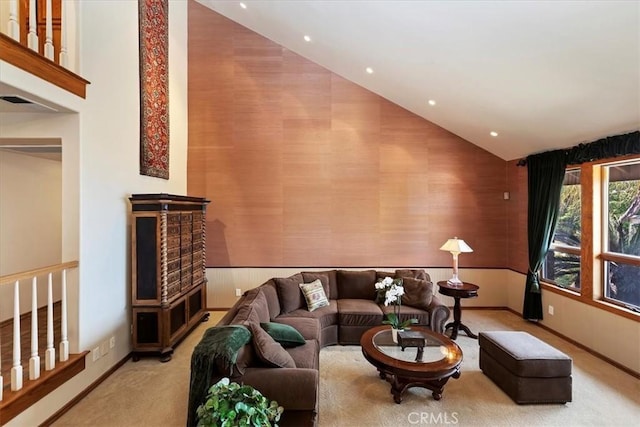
(454, 281)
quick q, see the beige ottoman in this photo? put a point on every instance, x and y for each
(526, 368)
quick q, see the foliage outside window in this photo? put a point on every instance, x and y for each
(562, 263)
(621, 256)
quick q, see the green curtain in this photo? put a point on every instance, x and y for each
(545, 177)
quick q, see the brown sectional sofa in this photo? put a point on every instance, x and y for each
(352, 310)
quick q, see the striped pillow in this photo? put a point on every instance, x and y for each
(314, 294)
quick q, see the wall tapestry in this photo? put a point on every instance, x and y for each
(154, 87)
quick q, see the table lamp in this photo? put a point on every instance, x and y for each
(455, 246)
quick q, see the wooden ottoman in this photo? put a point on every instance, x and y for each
(526, 368)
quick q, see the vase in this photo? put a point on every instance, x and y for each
(394, 334)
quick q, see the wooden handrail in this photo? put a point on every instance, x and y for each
(32, 62)
(10, 278)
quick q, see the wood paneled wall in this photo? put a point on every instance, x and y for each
(305, 168)
(518, 256)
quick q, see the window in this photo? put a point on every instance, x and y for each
(562, 263)
(621, 230)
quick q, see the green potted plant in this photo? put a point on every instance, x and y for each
(229, 404)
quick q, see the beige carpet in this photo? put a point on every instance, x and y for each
(149, 393)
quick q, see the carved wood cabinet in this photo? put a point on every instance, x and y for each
(168, 283)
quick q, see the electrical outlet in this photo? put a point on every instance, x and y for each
(112, 342)
(96, 353)
(551, 310)
(104, 348)
(238, 292)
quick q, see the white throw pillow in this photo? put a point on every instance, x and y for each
(314, 294)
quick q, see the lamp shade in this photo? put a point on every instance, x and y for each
(456, 245)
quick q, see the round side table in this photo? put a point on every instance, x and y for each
(462, 290)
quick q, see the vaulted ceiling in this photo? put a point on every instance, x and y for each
(542, 74)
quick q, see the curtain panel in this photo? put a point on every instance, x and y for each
(545, 177)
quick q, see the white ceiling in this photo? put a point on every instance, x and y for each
(543, 74)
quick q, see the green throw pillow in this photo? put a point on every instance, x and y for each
(286, 335)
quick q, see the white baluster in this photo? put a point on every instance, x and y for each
(32, 37)
(16, 369)
(13, 29)
(50, 353)
(63, 58)
(48, 41)
(64, 343)
(34, 360)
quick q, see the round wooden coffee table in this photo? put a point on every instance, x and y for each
(441, 358)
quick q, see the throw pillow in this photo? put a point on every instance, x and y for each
(314, 294)
(419, 274)
(268, 350)
(289, 293)
(417, 293)
(286, 335)
(322, 276)
(356, 284)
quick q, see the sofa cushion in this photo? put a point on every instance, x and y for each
(356, 284)
(359, 312)
(289, 293)
(247, 313)
(382, 274)
(246, 357)
(323, 277)
(286, 335)
(332, 292)
(256, 298)
(314, 295)
(414, 274)
(271, 294)
(268, 350)
(326, 315)
(307, 355)
(407, 312)
(417, 293)
(308, 327)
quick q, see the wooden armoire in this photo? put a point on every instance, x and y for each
(168, 281)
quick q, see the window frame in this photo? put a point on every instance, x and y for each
(592, 261)
(566, 249)
(605, 255)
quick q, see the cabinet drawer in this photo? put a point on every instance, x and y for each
(173, 229)
(173, 218)
(173, 241)
(186, 239)
(185, 260)
(173, 276)
(198, 274)
(173, 253)
(173, 265)
(173, 289)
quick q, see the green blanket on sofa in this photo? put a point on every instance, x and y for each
(218, 347)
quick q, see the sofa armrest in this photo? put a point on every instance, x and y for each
(439, 313)
(307, 326)
(294, 389)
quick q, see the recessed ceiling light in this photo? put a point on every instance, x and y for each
(307, 38)
(242, 5)
(369, 70)
(432, 102)
(493, 133)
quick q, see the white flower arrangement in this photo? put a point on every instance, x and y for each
(392, 288)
